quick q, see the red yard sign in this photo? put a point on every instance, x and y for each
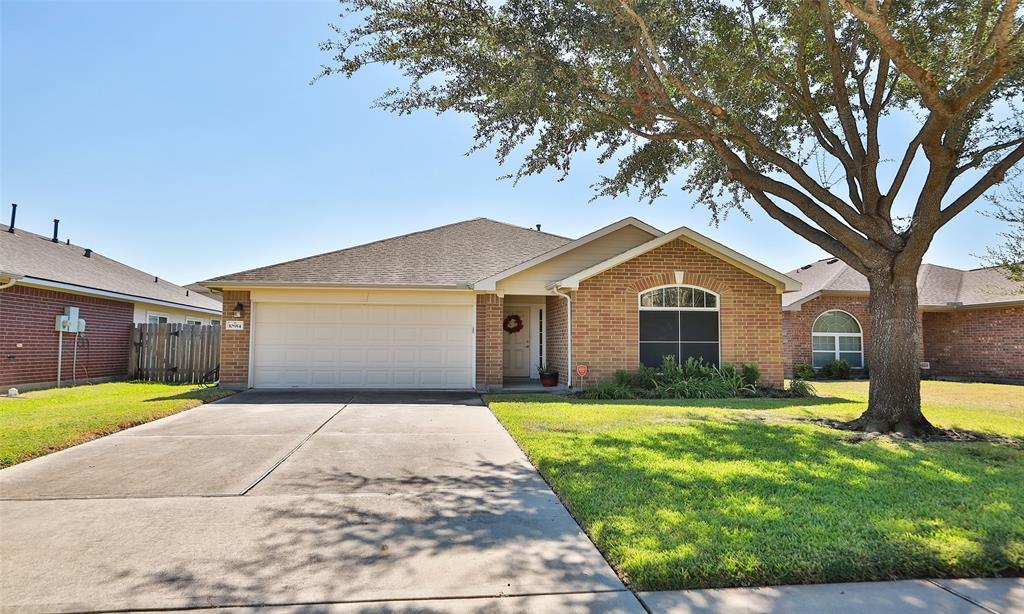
(581, 370)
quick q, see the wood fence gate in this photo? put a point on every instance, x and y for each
(187, 353)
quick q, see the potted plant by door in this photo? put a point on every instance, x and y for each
(548, 376)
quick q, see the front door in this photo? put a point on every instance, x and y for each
(516, 335)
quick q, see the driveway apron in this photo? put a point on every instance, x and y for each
(316, 500)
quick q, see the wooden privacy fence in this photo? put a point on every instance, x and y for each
(187, 353)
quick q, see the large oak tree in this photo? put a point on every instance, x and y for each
(782, 103)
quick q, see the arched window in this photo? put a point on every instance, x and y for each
(836, 335)
(678, 321)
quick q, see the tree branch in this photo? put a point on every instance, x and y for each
(995, 175)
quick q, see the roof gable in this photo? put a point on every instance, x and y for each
(450, 256)
(777, 279)
(490, 283)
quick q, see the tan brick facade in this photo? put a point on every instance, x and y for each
(605, 319)
(976, 343)
(489, 364)
(606, 314)
(234, 344)
(556, 316)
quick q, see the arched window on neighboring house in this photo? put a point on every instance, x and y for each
(679, 321)
(836, 335)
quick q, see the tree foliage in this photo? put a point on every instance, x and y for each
(1009, 208)
(736, 98)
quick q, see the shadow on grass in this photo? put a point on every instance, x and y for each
(204, 395)
(710, 504)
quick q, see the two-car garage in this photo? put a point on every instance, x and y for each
(364, 340)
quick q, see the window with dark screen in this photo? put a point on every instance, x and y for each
(678, 321)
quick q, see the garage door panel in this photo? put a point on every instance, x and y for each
(362, 346)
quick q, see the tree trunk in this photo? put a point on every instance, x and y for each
(894, 400)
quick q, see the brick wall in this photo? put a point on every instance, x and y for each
(489, 341)
(797, 325)
(606, 315)
(27, 317)
(234, 344)
(555, 336)
(976, 343)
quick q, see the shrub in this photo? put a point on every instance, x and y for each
(837, 369)
(801, 388)
(623, 378)
(751, 374)
(804, 371)
(608, 390)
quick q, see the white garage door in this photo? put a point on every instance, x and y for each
(362, 346)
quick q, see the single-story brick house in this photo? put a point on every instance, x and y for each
(480, 303)
(41, 276)
(971, 322)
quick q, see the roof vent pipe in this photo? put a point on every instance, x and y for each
(14, 214)
(538, 227)
(88, 253)
(56, 223)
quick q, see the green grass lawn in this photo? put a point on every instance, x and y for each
(686, 494)
(45, 421)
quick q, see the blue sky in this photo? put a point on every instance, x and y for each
(184, 139)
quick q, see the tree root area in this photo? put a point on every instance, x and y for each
(865, 432)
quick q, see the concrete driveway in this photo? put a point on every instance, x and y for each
(311, 501)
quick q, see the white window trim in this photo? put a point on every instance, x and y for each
(191, 321)
(835, 337)
(157, 314)
(717, 307)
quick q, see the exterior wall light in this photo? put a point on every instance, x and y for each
(238, 310)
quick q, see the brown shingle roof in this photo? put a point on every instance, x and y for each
(35, 256)
(937, 286)
(455, 255)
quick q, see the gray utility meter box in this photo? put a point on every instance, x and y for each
(70, 322)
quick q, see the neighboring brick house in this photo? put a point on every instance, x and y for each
(40, 277)
(971, 323)
(481, 304)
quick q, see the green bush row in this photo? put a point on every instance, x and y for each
(836, 369)
(693, 379)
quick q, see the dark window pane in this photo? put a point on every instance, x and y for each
(698, 325)
(707, 351)
(651, 354)
(659, 326)
(710, 300)
(852, 358)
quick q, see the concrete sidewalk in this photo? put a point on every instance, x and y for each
(975, 596)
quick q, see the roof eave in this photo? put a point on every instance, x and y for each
(122, 296)
(247, 285)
